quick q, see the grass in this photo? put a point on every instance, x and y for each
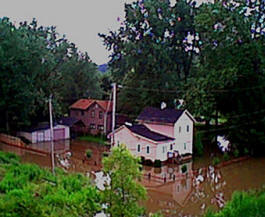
(97, 139)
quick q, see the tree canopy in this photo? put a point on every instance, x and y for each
(34, 63)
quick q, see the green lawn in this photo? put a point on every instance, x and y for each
(97, 139)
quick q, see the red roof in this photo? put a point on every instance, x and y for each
(84, 104)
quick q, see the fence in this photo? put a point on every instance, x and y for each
(11, 140)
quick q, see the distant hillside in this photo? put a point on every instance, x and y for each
(103, 68)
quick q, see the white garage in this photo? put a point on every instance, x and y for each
(42, 133)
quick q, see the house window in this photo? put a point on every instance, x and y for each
(93, 114)
(82, 113)
(92, 126)
(179, 129)
(185, 146)
(164, 149)
(171, 146)
(139, 148)
(100, 115)
(118, 143)
(188, 128)
(147, 149)
(100, 127)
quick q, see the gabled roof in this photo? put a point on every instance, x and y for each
(68, 121)
(143, 131)
(160, 115)
(84, 104)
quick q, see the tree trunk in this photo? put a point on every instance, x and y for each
(7, 123)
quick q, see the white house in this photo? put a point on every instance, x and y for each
(159, 135)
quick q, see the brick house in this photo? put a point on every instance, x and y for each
(95, 115)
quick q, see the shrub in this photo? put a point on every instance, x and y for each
(198, 143)
(216, 161)
(105, 154)
(184, 168)
(226, 156)
(157, 163)
(88, 153)
(246, 151)
(236, 153)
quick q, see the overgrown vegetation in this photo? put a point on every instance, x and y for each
(96, 139)
(28, 190)
(243, 204)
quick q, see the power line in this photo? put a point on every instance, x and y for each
(182, 91)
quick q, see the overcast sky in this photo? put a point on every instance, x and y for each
(79, 20)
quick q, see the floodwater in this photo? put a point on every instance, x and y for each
(176, 190)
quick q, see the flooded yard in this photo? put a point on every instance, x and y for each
(177, 190)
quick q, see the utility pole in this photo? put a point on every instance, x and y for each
(114, 85)
(51, 131)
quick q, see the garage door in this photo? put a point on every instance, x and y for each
(58, 134)
(40, 136)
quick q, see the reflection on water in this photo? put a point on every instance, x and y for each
(177, 190)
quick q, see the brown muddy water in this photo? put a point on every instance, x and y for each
(171, 189)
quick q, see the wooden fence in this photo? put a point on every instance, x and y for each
(11, 140)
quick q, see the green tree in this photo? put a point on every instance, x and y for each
(230, 77)
(124, 192)
(34, 63)
(151, 50)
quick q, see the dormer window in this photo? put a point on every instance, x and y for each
(93, 114)
(188, 128)
(179, 129)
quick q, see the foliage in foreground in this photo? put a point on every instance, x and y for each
(243, 205)
(124, 192)
(28, 190)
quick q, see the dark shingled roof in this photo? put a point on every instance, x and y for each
(145, 132)
(68, 121)
(158, 115)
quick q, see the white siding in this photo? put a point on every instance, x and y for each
(162, 150)
(184, 139)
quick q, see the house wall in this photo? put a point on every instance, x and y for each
(184, 139)
(44, 135)
(163, 149)
(94, 123)
(161, 128)
(125, 136)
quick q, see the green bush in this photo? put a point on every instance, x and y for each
(242, 205)
(88, 153)
(28, 190)
(236, 153)
(157, 163)
(198, 144)
(226, 156)
(8, 158)
(216, 161)
(105, 154)
(184, 168)
(246, 151)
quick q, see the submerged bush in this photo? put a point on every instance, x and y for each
(226, 156)
(216, 161)
(88, 153)
(184, 168)
(157, 163)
